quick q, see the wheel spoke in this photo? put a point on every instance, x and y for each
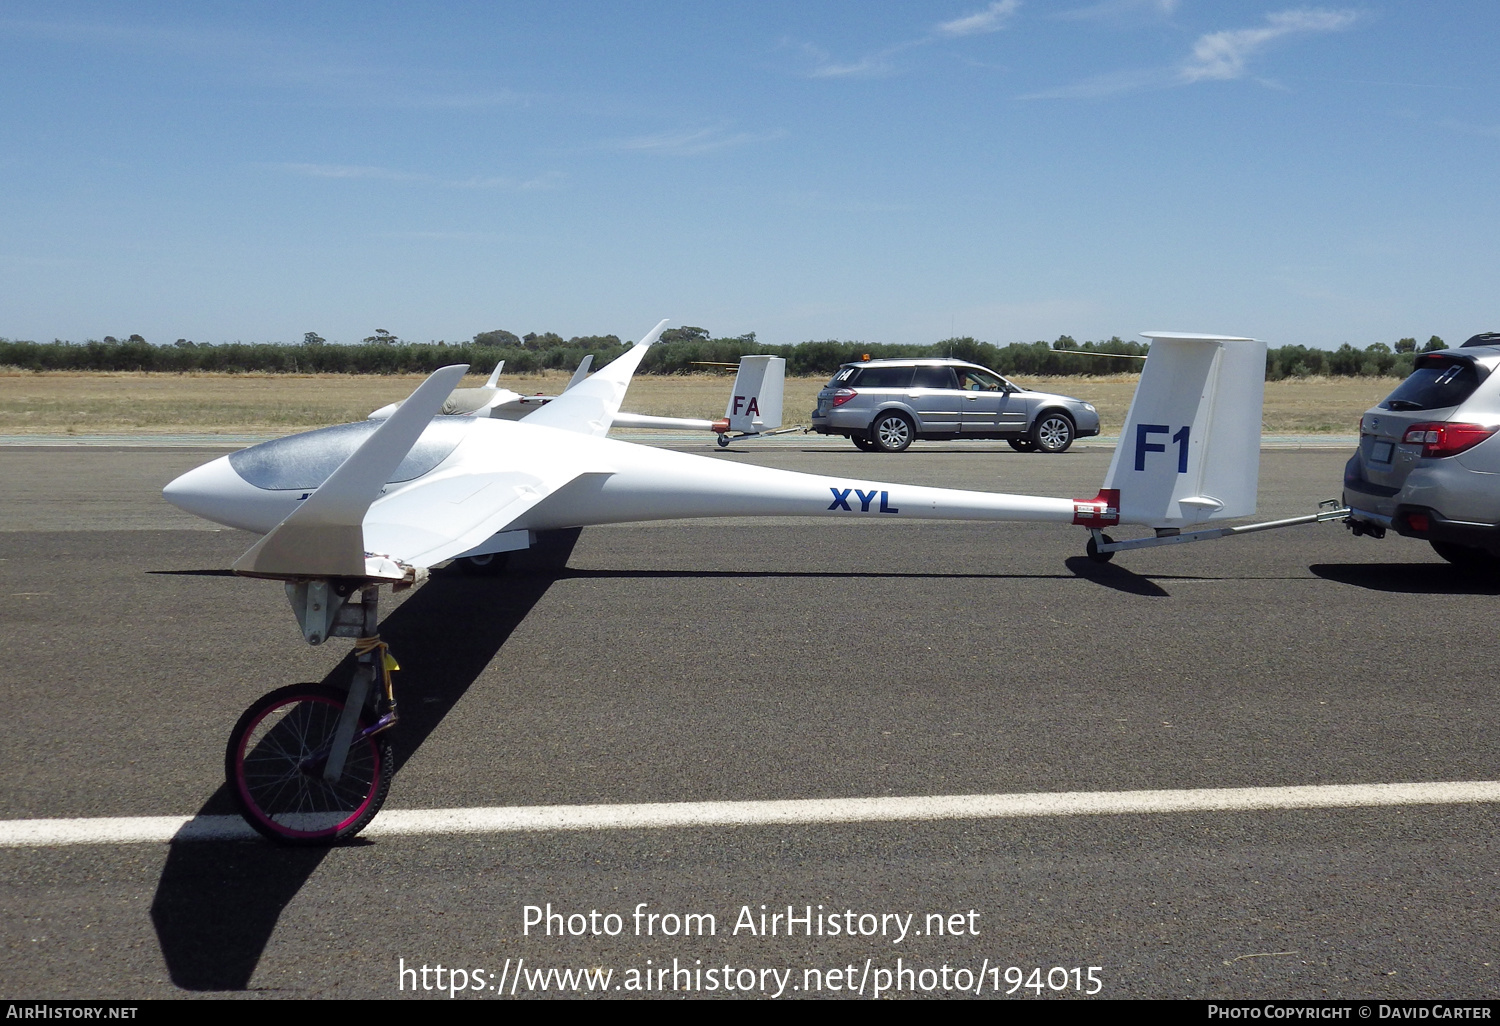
(276, 761)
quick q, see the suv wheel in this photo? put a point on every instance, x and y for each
(1052, 432)
(1465, 557)
(892, 432)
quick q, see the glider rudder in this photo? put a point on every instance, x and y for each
(1190, 448)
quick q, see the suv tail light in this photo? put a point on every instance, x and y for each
(843, 395)
(1441, 439)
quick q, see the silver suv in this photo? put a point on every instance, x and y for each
(884, 405)
(1428, 463)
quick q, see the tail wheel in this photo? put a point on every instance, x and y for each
(892, 432)
(862, 443)
(723, 441)
(275, 761)
(1022, 444)
(1093, 552)
(1053, 432)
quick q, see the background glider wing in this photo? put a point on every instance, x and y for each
(589, 407)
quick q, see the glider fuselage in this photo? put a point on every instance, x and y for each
(257, 488)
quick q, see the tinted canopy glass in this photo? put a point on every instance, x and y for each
(304, 461)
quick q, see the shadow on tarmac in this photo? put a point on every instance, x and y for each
(1409, 578)
(216, 905)
(1116, 577)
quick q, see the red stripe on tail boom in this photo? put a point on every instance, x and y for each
(1101, 511)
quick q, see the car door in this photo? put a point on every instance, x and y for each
(935, 397)
(988, 405)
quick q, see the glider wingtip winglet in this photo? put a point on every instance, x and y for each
(323, 537)
(655, 333)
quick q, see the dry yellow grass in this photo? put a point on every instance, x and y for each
(99, 403)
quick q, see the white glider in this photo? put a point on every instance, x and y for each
(345, 509)
(754, 406)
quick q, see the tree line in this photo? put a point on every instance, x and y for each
(681, 350)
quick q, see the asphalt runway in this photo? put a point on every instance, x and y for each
(758, 660)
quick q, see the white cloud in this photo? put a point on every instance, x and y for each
(1119, 10)
(1100, 86)
(878, 64)
(349, 171)
(1217, 56)
(874, 65)
(694, 142)
(1220, 56)
(991, 19)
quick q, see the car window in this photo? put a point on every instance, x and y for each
(972, 379)
(934, 377)
(1436, 384)
(843, 375)
(883, 377)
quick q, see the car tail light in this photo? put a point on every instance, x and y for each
(843, 395)
(1418, 522)
(1446, 439)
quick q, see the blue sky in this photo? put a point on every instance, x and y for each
(891, 172)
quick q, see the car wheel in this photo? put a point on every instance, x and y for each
(1465, 557)
(1053, 432)
(862, 443)
(1022, 444)
(892, 432)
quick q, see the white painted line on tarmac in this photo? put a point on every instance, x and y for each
(546, 818)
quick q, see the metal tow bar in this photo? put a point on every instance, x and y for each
(1106, 547)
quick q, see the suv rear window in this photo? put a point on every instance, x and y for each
(883, 377)
(1436, 384)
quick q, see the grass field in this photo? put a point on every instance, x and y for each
(111, 403)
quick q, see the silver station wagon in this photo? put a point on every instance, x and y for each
(1428, 463)
(885, 405)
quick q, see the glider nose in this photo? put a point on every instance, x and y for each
(216, 492)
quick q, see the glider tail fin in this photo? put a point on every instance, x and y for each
(1190, 448)
(755, 404)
